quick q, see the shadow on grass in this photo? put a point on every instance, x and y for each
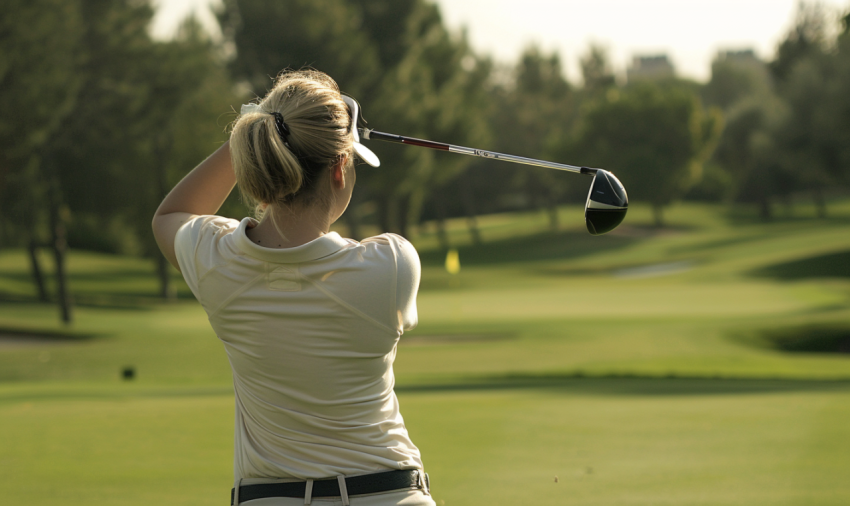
(749, 215)
(531, 248)
(637, 385)
(833, 265)
(720, 243)
(112, 289)
(456, 338)
(105, 300)
(37, 336)
(833, 338)
(108, 392)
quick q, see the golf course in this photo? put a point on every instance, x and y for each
(703, 363)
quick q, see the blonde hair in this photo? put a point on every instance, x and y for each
(271, 170)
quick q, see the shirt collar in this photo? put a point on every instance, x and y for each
(320, 247)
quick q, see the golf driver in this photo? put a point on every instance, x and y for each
(607, 201)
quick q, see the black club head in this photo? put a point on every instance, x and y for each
(607, 203)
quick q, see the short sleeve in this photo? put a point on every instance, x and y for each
(196, 246)
(409, 272)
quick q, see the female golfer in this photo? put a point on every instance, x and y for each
(309, 320)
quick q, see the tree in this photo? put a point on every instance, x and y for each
(100, 155)
(741, 168)
(395, 57)
(525, 113)
(436, 92)
(596, 70)
(271, 35)
(39, 84)
(187, 91)
(39, 89)
(542, 109)
(839, 101)
(808, 36)
(94, 106)
(736, 76)
(655, 137)
(811, 138)
(748, 151)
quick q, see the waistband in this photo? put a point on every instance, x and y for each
(341, 486)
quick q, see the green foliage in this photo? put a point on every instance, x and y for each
(94, 107)
(654, 137)
(596, 70)
(734, 77)
(749, 152)
(436, 91)
(840, 102)
(791, 137)
(396, 57)
(815, 137)
(115, 154)
(806, 38)
(788, 131)
(39, 84)
(88, 148)
(270, 35)
(532, 117)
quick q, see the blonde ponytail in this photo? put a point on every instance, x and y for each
(281, 162)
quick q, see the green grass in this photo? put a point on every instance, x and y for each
(685, 366)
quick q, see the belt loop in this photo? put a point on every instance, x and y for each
(308, 492)
(236, 492)
(421, 484)
(427, 484)
(343, 491)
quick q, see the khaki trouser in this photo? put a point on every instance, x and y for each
(392, 498)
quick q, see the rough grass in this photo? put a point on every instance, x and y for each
(645, 367)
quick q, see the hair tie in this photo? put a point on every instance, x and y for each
(282, 129)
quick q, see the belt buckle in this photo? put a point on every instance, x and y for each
(423, 482)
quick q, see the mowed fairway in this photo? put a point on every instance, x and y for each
(638, 368)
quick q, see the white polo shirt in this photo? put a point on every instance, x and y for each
(311, 334)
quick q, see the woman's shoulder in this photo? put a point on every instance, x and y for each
(387, 238)
(198, 244)
(401, 249)
(207, 225)
(394, 241)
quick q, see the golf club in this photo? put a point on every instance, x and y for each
(607, 201)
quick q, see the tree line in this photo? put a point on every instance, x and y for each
(98, 119)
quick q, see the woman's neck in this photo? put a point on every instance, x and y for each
(282, 227)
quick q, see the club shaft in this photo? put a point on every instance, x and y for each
(366, 133)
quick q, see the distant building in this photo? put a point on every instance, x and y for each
(650, 68)
(745, 58)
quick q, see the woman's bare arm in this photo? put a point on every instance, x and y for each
(202, 191)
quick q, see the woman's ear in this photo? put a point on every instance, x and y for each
(338, 172)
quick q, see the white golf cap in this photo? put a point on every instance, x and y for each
(362, 151)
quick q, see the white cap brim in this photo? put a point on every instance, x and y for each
(362, 151)
(366, 155)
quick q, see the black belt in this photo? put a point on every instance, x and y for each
(355, 485)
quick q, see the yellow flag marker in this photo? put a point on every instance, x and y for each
(452, 262)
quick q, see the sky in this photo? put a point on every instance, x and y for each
(690, 32)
